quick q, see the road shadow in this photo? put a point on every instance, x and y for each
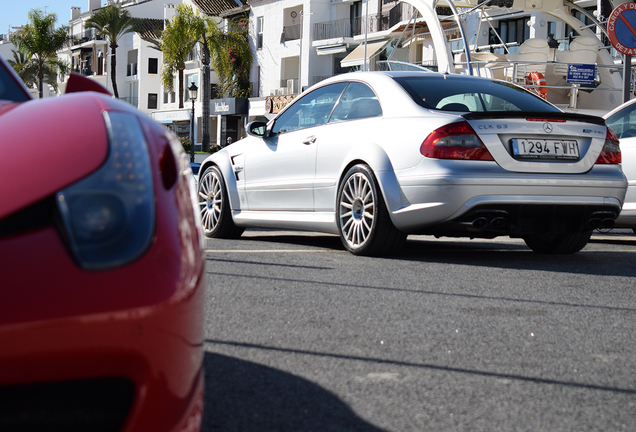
(475, 252)
(248, 397)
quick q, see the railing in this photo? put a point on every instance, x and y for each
(291, 32)
(347, 27)
(516, 71)
(90, 34)
(84, 71)
(350, 27)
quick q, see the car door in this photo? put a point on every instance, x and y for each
(279, 174)
(355, 120)
(623, 123)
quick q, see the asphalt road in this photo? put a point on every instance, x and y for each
(451, 335)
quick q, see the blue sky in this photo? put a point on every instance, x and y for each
(16, 12)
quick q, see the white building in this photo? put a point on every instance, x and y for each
(227, 116)
(139, 66)
(296, 43)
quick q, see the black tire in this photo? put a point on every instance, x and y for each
(214, 206)
(363, 221)
(634, 229)
(558, 243)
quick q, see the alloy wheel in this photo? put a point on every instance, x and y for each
(210, 200)
(357, 210)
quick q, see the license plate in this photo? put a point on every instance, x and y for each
(545, 149)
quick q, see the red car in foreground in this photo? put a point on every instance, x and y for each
(102, 269)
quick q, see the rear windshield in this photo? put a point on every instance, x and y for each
(463, 94)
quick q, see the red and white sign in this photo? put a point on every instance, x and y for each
(621, 28)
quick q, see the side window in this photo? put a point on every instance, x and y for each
(357, 102)
(259, 32)
(311, 110)
(621, 123)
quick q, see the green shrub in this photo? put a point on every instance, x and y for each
(185, 142)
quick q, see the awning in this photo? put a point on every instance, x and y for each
(331, 49)
(356, 57)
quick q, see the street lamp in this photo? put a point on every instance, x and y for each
(193, 89)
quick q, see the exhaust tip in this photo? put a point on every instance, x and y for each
(480, 223)
(607, 223)
(498, 222)
(594, 223)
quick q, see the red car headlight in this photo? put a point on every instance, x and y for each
(109, 216)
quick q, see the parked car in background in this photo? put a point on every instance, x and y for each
(101, 299)
(375, 156)
(622, 120)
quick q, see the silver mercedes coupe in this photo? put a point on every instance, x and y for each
(375, 156)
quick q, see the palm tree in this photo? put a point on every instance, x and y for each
(180, 36)
(112, 22)
(232, 57)
(38, 44)
(177, 41)
(25, 67)
(204, 29)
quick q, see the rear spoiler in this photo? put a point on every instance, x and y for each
(535, 115)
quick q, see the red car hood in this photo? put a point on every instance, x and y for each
(48, 144)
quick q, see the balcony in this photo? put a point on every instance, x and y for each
(350, 27)
(291, 32)
(347, 27)
(87, 71)
(86, 39)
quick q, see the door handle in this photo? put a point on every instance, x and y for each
(309, 140)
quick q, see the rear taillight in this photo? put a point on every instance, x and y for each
(611, 153)
(455, 141)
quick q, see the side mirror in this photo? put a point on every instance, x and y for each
(257, 129)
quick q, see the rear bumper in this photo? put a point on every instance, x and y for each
(446, 202)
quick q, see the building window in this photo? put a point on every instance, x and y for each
(259, 33)
(188, 81)
(165, 97)
(512, 30)
(153, 65)
(152, 100)
(214, 91)
(131, 65)
(192, 55)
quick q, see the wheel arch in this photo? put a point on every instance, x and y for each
(381, 167)
(224, 165)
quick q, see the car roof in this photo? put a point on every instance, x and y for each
(619, 108)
